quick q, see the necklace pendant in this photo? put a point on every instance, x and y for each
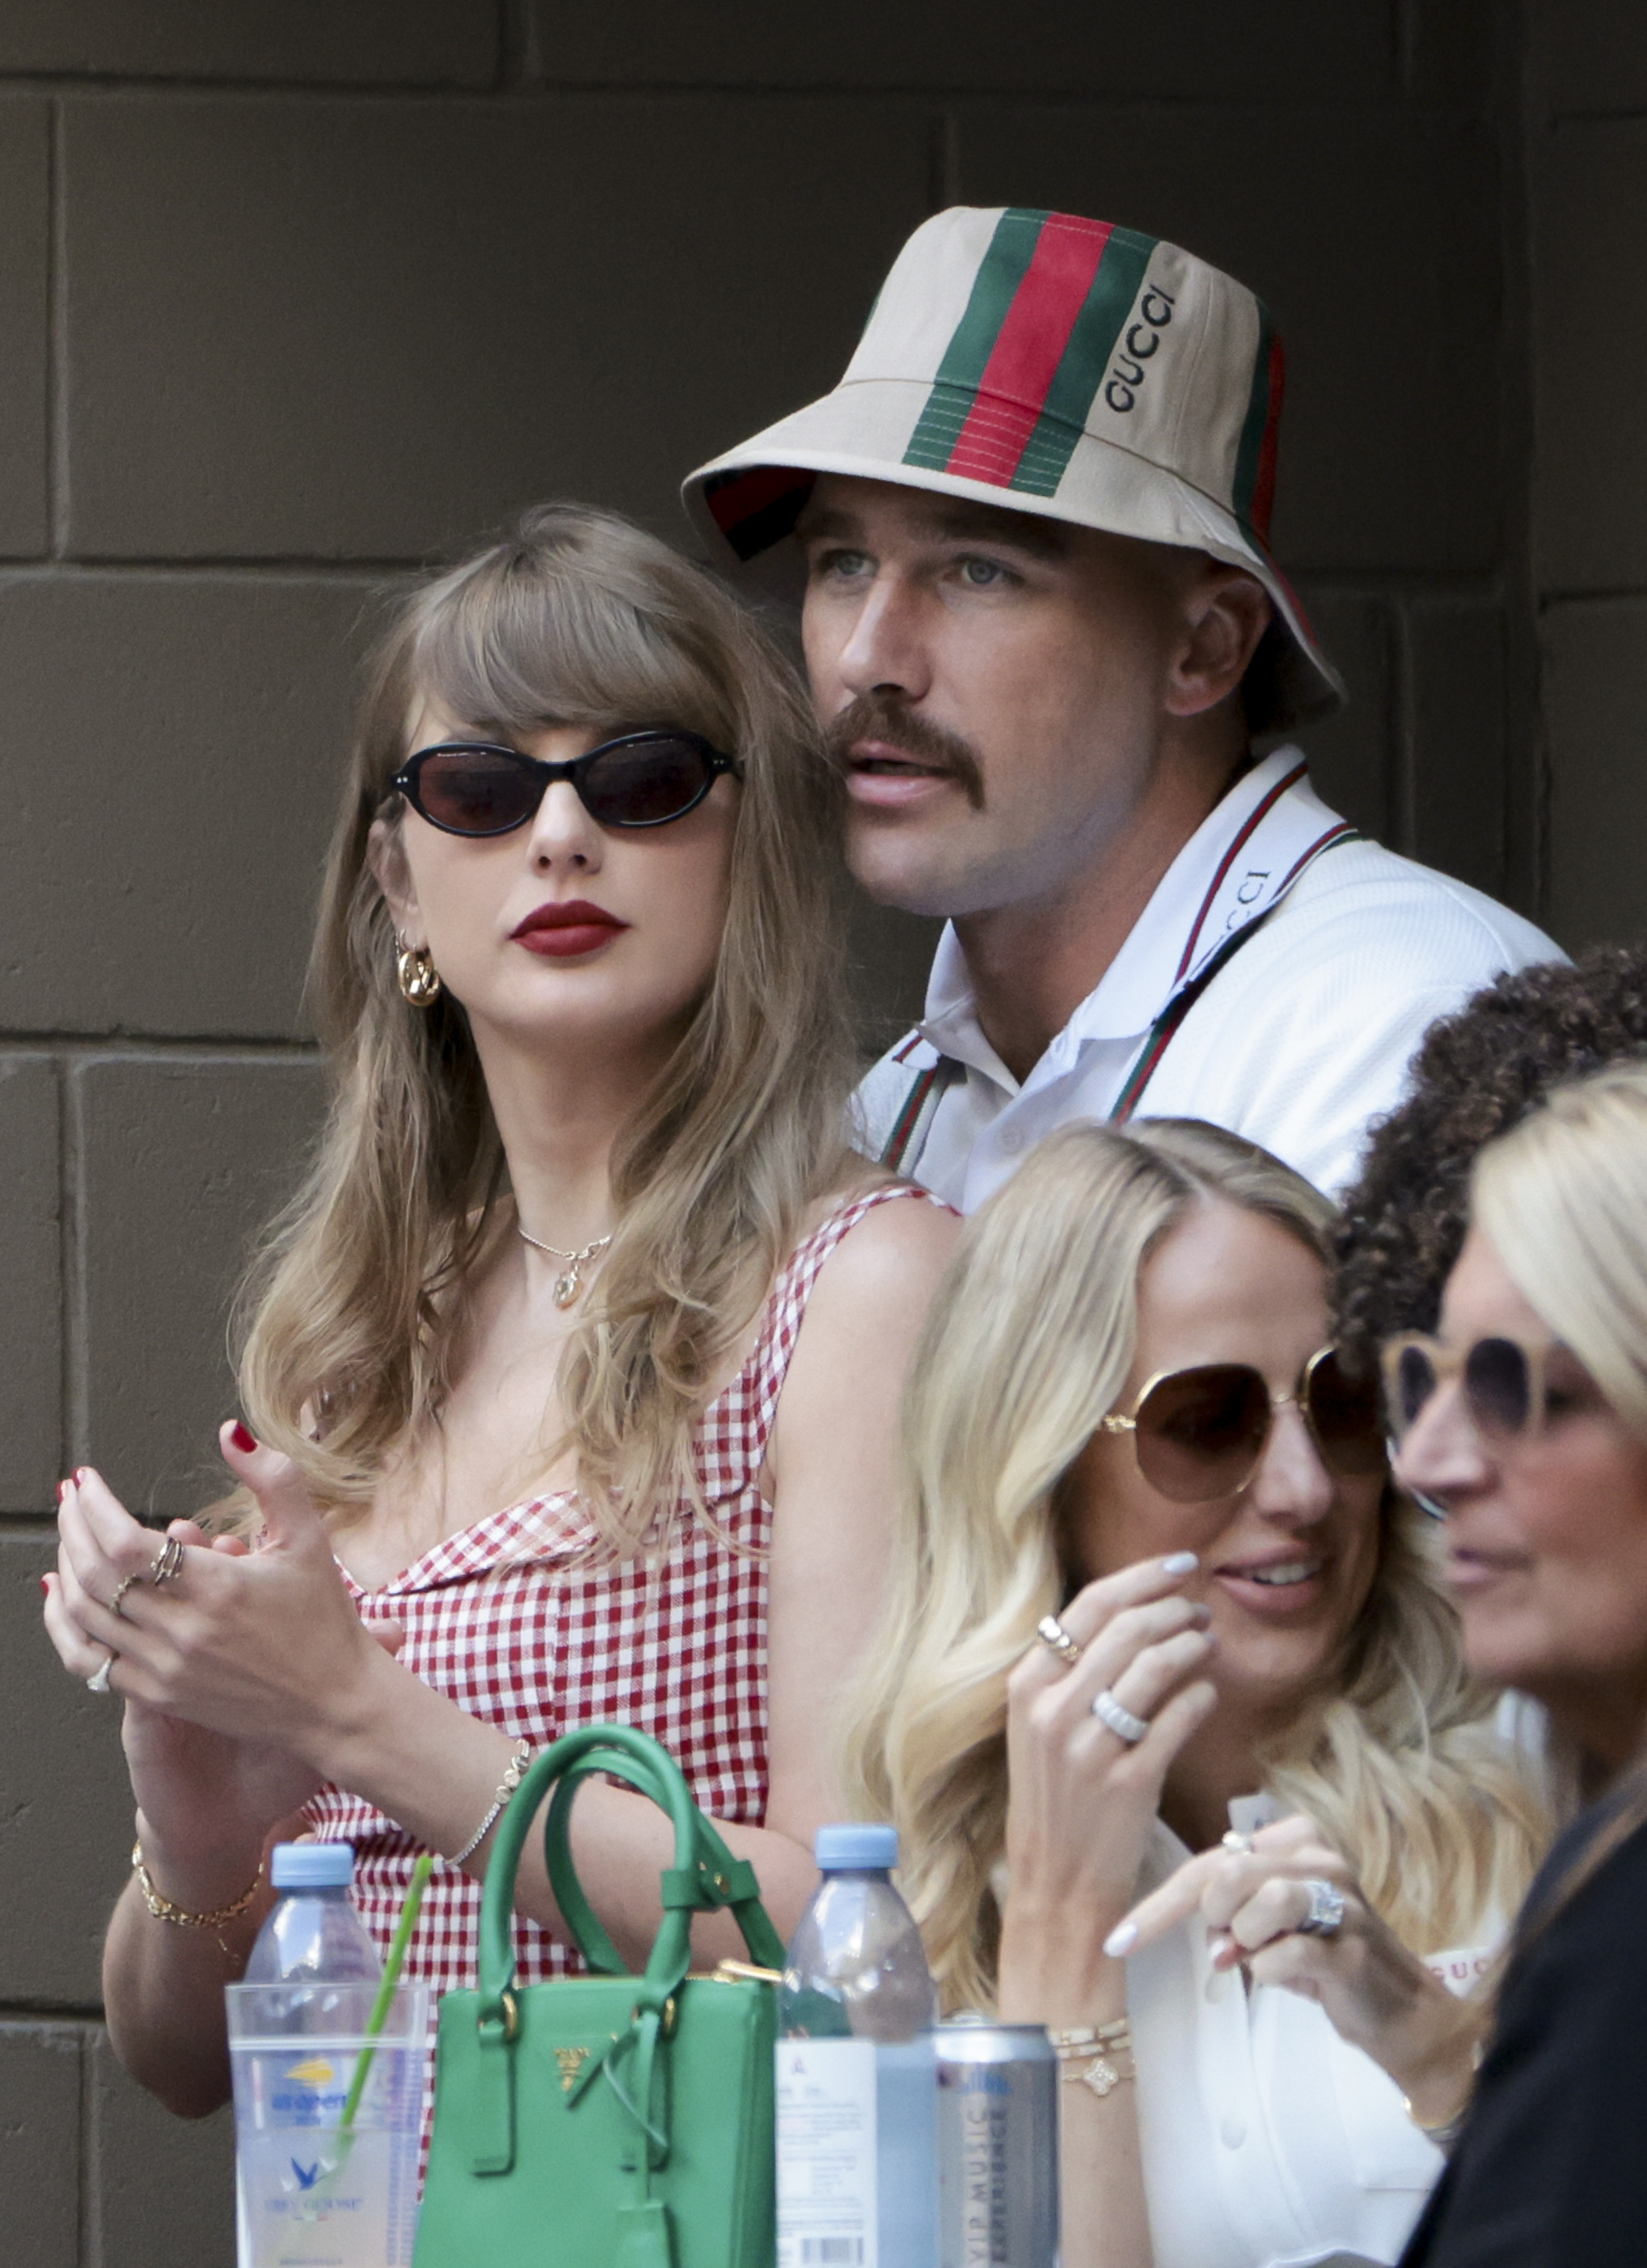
(568, 1284)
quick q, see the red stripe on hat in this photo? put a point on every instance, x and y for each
(1029, 348)
(1263, 482)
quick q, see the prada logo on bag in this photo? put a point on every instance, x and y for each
(571, 2061)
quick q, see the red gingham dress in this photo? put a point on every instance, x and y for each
(503, 1620)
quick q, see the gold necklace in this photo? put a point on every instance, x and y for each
(569, 1283)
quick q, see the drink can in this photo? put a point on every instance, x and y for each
(997, 2146)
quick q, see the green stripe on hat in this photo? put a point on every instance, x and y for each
(1082, 369)
(1001, 271)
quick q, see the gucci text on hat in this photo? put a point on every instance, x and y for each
(1063, 366)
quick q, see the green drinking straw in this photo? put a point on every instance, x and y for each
(379, 2017)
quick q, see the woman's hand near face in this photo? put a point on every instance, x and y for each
(1379, 1996)
(1082, 1800)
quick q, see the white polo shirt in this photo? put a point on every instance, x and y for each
(1277, 983)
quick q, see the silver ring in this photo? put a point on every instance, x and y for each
(1056, 1639)
(1120, 1719)
(1326, 1917)
(120, 1589)
(98, 1682)
(167, 1560)
(1235, 1840)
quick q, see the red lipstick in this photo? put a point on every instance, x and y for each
(567, 931)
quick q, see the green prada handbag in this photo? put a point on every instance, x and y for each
(608, 2121)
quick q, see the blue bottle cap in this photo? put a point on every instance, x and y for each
(312, 1866)
(838, 1849)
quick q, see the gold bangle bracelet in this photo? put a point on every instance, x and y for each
(163, 1910)
(1103, 2045)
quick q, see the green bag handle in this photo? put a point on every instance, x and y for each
(704, 1875)
(714, 1878)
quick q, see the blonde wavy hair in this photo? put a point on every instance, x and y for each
(354, 1306)
(1028, 1350)
(1563, 1200)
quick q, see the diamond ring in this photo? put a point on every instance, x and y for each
(1326, 1917)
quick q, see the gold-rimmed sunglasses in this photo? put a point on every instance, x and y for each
(1201, 1433)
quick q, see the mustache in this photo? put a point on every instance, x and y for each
(873, 717)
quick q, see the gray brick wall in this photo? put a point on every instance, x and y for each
(1587, 174)
(292, 294)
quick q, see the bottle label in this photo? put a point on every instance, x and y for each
(827, 2185)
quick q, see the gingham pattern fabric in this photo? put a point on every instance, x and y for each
(510, 1620)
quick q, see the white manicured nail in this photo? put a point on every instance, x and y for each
(1121, 1939)
(1181, 1562)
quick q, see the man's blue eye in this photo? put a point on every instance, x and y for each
(982, 573)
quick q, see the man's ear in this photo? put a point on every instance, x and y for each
(1226, 613)
(386, 855)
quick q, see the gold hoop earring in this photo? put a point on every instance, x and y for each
(420, 978)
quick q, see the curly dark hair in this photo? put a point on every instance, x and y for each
(1474, 1075)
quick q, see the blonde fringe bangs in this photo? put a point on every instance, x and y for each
(353, 1309)
(1030, 1346)
(1563, 1200)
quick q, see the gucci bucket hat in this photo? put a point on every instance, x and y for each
(1057, 365)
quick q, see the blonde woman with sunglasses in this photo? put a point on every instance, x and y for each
(571, 1374)
(1160, 1624)
(1525, 1421)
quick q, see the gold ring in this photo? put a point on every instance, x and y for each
(167, 1560)
(1056, 1639)
(120, 1589)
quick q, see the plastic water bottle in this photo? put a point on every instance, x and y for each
(310, 2190)
(857, 2071)
(314, 1935)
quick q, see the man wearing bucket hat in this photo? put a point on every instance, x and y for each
(1058, 665)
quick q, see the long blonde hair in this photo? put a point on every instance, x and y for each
(1028, 1350)
(575, 618)
(1563, 1200)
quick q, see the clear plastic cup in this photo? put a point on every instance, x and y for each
(309, 2194)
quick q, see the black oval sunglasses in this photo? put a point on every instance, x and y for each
(641, 779)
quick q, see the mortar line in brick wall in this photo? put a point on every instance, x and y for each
(1404, 802)
(1603, 594)
(945, 161)
(85, 2014)
(1404, 43)
(76, 1291)
(520, 63)
(195, 1046)
(916, 92)
(92, 2248)
(68, 1263)
(56, 338)
(178, 566)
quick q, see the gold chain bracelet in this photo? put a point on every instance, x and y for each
(1103, 2045)
(163, 1910)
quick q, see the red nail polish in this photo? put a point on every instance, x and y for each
(63, 1491)
(244, 1440)
(80, 1472)
(45, 1584)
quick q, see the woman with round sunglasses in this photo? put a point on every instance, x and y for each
(1524, 1421)
(1159, 1623)
(572, 1373)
